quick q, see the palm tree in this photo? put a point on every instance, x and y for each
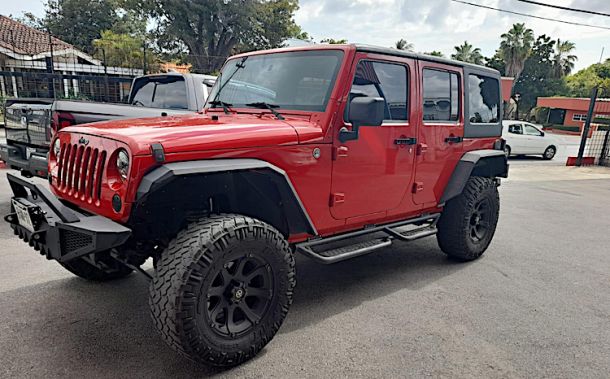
(467, 53)
(515, 47)
(563, 61)
(435, 53)
(403, 44)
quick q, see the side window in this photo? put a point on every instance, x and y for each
(483, 99)
(386, 80)
(441, 95)
(531, 131)
(515, 129)
(170, 94)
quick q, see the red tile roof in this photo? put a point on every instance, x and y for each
(25, 40)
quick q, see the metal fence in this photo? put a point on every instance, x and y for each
(595, 138)
(34, 64)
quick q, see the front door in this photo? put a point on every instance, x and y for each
(441, 133)
(373, 173)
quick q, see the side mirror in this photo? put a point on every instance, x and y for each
(363, 111)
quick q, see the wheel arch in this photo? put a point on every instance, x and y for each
(485, 163)
(252, 187)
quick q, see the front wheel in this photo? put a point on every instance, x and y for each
(468, 222)
(222, 289)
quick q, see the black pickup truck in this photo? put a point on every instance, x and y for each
(30, 123)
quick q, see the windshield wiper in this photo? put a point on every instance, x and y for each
(238, 66)
(226, 107)
(271, 107)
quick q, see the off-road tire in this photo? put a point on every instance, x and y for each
(455, 234)
(188, 271)
(549, 153)
(85, 270)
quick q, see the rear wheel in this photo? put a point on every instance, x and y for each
(222, 289)
(469, 220)
(549, 153)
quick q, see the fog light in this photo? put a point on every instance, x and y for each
(116, 203)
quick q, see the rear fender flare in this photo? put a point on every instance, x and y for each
(485, 163)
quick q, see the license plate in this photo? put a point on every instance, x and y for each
(23, 215)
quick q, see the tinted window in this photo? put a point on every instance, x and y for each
(483, 99)
(515, 129)
(385, 80)
(292, 80)
(160, 92)
(441, 96)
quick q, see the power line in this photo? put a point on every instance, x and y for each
(565, 8)
(529, 15)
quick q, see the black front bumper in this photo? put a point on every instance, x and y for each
(59, 232)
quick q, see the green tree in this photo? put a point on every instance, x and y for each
(538, 76)
(403, 44)
(496, 62)
(435, 53)
(210, 30)
(515, 47)
(467, 53)
(563, 59)
(124, 50)
(332, 41)
(581, 83)
(79, 22)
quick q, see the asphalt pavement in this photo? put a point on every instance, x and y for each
(536, 305)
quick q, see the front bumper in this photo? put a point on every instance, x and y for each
(55, 230)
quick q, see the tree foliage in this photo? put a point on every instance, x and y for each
(467, 53)
(563, 59)
(403, 44)
(538, 75)
(435, 53)
(124, 50)
(211, 30)
(332, 41)
(515, 47)
(581, 83)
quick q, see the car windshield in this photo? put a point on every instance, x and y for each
(300, 80)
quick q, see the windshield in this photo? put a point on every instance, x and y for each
(294, 80)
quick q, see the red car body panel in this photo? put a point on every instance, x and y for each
(350, 185)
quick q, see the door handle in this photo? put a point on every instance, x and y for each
(454, 139)
(405, 141)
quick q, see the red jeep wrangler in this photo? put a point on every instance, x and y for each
(297, 151)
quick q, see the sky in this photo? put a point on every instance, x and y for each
(433, 24)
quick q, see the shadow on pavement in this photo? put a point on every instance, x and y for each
(71, 327)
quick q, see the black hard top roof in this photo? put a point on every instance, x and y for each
(408, 54)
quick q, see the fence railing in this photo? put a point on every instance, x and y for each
(595, 138)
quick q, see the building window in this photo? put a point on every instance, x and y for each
(579, 117)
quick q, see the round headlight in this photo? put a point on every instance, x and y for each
(57, 148)
(122, 163)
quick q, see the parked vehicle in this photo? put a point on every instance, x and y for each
(30, 123)
(333, 142)
(523, 138)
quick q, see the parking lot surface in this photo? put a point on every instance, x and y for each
(537, 304)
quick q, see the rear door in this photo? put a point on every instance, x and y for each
(373, 174)
(441, 130)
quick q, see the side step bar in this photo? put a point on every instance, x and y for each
(328, 255)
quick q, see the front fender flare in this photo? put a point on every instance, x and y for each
(159, 177)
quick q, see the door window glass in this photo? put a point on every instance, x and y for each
(483, 99)
(386, 80)
(532, 131)
(515, 129)
(441, 96)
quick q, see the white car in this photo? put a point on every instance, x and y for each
(523, 138)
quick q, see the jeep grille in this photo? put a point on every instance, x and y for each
(80, 171)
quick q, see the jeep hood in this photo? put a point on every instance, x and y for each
(198, 132)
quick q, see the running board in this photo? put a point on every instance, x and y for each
(328, 255)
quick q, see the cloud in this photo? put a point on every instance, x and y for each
(443, 24)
